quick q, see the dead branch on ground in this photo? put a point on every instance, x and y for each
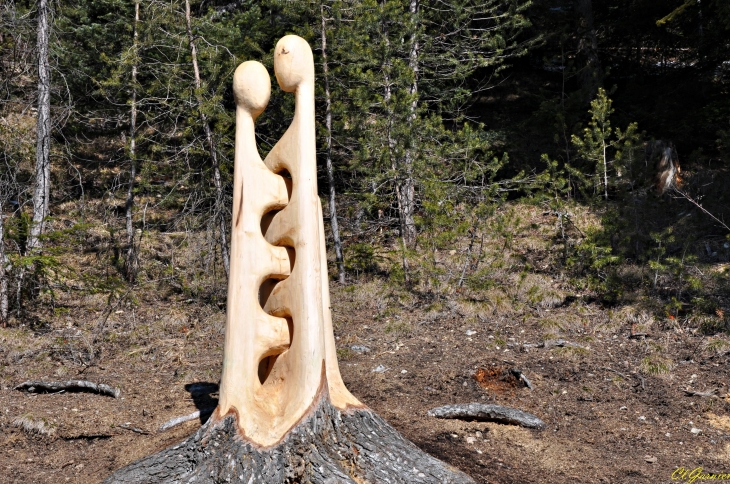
(68, 386)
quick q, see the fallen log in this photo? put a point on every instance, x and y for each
(488, 413)
(68, 386)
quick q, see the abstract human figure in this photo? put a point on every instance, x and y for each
(279, 335)
(284, 414)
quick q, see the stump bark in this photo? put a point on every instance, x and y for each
(327, 446)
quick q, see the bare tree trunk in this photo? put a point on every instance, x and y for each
(131, 263)
(398, 188)
(592, 74)
(219, 214)
(3, 274)
(408, 188)
(605, 170)
(42, 189)
(330, 176)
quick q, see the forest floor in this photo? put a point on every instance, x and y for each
(615, 403)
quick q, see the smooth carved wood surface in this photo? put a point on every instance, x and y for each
(278, 325)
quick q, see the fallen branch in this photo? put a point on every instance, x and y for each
(699, 205)
(617, 372)
(641, 378)
(488, 413)
(133, 429)
(711, 394)
(638, 335)
(68, 386)
(185, 418)
(560, 343)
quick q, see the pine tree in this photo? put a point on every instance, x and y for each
(402, 94)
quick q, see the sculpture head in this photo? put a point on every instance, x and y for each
(293, 63)
(252, 87)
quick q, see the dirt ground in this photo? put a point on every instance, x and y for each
(615, 405)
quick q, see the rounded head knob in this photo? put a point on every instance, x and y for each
(293, 62)
(252, 87)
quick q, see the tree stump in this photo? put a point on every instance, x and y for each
(327, 446)
(284, 413)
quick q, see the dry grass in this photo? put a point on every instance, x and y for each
(721, 422)
(34, 426)
(656, 365)
(537, 290)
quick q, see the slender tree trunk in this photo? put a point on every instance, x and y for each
(605, 171)
(330, 176)
(398, 187)
(131, 262)
(219, 213)
(3, 274)
(592, 73)
(408, 190)
(42, 189)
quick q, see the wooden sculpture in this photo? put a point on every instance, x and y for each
(284, 414)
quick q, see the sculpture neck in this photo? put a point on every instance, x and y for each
(244, 127)
(304, 102)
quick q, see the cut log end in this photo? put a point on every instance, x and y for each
(327, 446)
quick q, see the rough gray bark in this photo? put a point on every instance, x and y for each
(131, 261)
(327, 447)
(330, 176)
(42, 189)
(488, 413)
(219, 214)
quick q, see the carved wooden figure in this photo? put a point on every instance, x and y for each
(284, 414)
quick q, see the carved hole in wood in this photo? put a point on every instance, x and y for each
(267, 362)
(266, 220)
(265, 290)
(265, 367)
(292, 257)
(287, 181)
